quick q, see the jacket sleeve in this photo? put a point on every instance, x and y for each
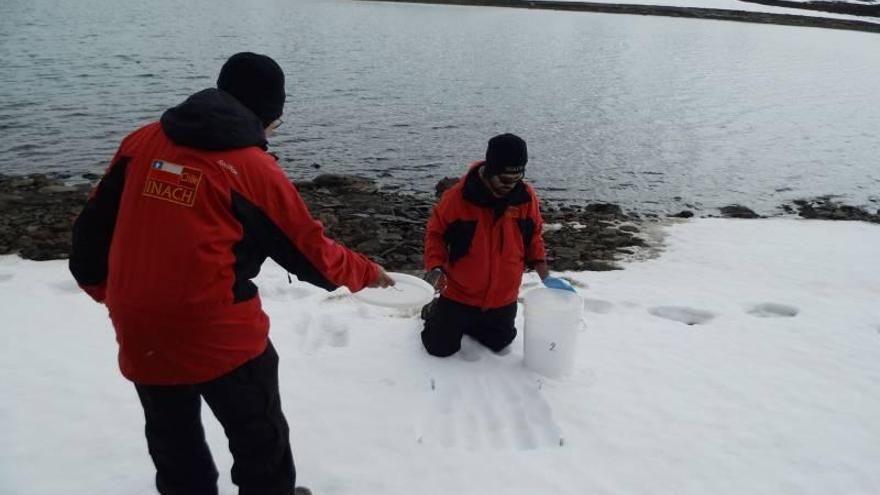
(535, 251)
(282, 223)
(93, 231)
(436, 253)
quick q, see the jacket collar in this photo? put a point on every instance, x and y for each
(476, 192)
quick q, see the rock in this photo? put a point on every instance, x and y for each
(566, 252)
(807, 211)
(599, 266)
(444, 184)
(738, 211)
(10, 198)
(21, 182)
(90, 176)
(608, 209)
(55, 189)
(369, 246)
(628, 228)
(683, 214)
(349, 183)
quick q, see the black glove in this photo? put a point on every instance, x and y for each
(436, 278)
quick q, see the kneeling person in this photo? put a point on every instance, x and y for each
(482, 235)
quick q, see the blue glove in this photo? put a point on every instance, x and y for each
(558, 283)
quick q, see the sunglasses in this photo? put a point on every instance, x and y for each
(509, 180)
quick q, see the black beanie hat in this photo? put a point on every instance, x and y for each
(257, 82)
(506, 154)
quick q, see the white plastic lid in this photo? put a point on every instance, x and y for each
(408, 292)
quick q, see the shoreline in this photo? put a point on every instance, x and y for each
(37, 213)
(666, 11)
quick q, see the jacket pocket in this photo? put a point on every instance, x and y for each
(458, 236)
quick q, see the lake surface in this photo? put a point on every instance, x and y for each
(657, 114)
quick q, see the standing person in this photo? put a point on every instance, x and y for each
(189, 209)
(482, 235)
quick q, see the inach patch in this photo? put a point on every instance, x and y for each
(172, 182)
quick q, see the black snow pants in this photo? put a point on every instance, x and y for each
(247, 403)
(446, 321)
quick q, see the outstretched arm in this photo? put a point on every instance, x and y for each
(93, 231)
(279, 218)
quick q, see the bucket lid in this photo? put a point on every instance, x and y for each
(408, 292)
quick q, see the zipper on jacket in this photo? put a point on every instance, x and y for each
(492, 256)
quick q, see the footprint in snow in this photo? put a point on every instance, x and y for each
(65, 287)
(773, 310)
(683, 314)
(335, 331)
(286, 292)
(470, 350)
(302, 328)
(597, 305)
(326, 330)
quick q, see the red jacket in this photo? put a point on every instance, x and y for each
(483, 243)
(179, 225)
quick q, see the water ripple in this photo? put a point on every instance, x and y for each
(734, 114)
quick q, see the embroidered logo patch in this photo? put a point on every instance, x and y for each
(172, 182)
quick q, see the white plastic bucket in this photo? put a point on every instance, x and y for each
(553, 320)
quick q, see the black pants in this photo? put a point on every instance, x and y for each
(447, 321)
(247, 403)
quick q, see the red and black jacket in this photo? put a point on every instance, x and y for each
(182, 220)
(484, 243)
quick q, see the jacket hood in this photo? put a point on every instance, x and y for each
(213, 120)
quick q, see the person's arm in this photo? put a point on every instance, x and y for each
(281, 222)
(536, 256)
(436, 252)
(93, 231)
(542, 269)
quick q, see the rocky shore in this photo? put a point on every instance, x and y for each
(695, 12)
(37, 212)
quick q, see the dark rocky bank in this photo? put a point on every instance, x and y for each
(37, 212)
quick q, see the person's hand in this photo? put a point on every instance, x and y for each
(436, 278)
(382, 280)
(557, 283)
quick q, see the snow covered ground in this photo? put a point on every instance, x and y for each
(772, 390)
(739, 5)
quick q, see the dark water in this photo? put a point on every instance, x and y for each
(653, 113)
